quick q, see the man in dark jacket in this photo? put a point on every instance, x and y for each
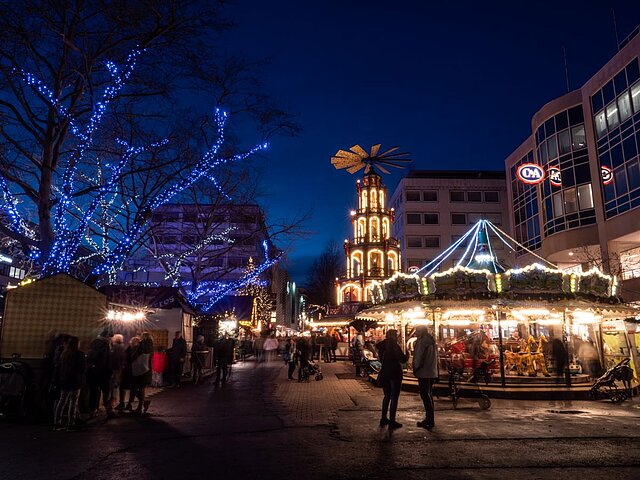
(425, 369)
(177, 354)
(223, 351)
(99, 373)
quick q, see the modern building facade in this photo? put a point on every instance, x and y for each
(580, 210)
(372, 254)
(435, 208)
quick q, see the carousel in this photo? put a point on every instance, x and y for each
(532, 331)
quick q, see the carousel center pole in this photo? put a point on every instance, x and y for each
(500, 347)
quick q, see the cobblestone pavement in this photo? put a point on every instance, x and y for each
(318, 402)
(261, 425)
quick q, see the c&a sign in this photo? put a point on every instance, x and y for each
(530, 173)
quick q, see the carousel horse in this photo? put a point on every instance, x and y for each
(515, 361)
(535, 358)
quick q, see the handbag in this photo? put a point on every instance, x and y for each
(140, 365)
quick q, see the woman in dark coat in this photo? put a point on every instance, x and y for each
(69, 377)
(390, 377)
(142, 376)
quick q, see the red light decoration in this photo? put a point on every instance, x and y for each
(530, 173)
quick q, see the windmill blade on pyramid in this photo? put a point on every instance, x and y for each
(357, 158)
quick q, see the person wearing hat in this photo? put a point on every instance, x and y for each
(425, 369)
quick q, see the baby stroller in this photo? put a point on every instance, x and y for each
(463, 385)
(370, 363)
(606, 386)
(311, 370)
(16, 387)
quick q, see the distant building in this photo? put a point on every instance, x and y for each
(178, 227)
(574, 183)
(435, 208)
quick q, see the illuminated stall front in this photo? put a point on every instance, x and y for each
(532, 329)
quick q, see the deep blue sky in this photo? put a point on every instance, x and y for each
(453, 83)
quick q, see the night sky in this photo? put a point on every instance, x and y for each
(453, 83)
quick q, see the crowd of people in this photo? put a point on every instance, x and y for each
(108, 370)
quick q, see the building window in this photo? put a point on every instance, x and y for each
(431, 219)
(414, 218)
(430, 196)
(612, 115)
(564, 142)
(585, 196)
(458, 219)
(414, 242)
(474, 196)
(570, 200)
(624, 106)
(635, 97)
(456, 196)
(579, 137)
(558, 210)
(413, 196)
(432, 242)
(601, 124)
(455, 238)
(491, 197)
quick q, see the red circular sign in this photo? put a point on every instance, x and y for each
(530, 173)
(607, 175)
(554, 176)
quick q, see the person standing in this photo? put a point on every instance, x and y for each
(425, 369)
(118, 360)
(177, 355)
(141, 371)
(127, 375)
(291, 355)
(258, 348)
(271, 348)
(224, 357)
(334, 346)
(390, 376)
(199, 351)
(99, 374)
(303, 353)
(69, 376)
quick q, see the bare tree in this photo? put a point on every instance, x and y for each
(320, 283)
(92, 136)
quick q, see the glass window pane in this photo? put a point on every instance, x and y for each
(612, 115)
(564, 142)
(633, 172)
(624, 105)
(579, 137)
(558, 209)
(543, 153)
(414, 219)
(570, 200)
(431, 218)
(413, 196)
(430, 196)
(456, 196)
(635, 97)
(601, 124)
(458, 219)
(414, 242)
(585, 196)
(620, 179)
(474, 196)
(552, 145)
(432, 242)
(492, 197)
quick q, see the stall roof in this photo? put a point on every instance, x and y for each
(154, 297)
